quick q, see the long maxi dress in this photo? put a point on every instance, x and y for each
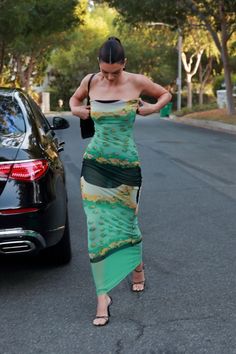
(110, 186)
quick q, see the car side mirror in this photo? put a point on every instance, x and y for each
(59, 123)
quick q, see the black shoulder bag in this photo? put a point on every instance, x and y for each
(87, 125)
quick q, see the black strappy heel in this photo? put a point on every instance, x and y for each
(105, 317)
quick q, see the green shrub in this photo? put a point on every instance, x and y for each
(219, 82)
(196, 108)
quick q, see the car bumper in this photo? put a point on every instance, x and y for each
(18, 240)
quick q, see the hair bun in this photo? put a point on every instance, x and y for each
(112, 51)
(114, 39)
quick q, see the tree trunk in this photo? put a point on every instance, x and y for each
(2, 53)
(201, 92)
(24, 75)
(222, 47)
(190, 72)
(20, 73)
(203, 78)
(228, 84)
(28, 72)
(225, 59)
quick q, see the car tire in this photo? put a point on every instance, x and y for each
(60, 253)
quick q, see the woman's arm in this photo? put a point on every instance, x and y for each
(76, 101)
(149, 88)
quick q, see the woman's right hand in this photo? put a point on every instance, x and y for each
(82, 112)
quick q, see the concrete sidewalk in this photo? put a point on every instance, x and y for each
(208, 124)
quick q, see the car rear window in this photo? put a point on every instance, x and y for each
(11, 117)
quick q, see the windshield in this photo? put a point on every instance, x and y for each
(11, 117)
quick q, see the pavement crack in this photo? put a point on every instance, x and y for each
(140, 328)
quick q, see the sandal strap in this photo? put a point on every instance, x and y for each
(139, 270)
(105, 317)
(138, 282)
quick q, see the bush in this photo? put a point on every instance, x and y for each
(196, 108)
(207, 99)
(219, 83)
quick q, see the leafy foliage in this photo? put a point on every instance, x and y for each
(219, 83)
(148, 51)
(29, 30)
(218, 17)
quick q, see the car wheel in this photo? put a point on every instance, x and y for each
(60, 253)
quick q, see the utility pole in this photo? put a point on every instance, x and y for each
(179, 78)
(179, 48)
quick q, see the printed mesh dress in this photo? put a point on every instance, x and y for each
(110, 186)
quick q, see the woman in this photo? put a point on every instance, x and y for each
(111, 175)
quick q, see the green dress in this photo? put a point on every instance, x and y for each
(110, 186)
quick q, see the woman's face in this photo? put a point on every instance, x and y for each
(111, 72)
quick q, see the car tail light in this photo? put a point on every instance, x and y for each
(18, 211)
(24, 171)
(5, 170)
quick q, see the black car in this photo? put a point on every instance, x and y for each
(33, 198)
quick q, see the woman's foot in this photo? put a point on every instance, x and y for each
(138, 282)
(103, 311)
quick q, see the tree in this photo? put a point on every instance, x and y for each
(204, 75)
(196, 43)
(146, 50)
(218, 17)
(191, 71)
(29, 30)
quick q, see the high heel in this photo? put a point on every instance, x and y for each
(106, 317)
(141, 282)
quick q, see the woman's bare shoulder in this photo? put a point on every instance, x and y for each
(137, 78)
(85, 80)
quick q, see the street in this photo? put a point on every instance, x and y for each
(187, 216)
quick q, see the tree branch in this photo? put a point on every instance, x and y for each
(199, 55)
(184, 60)
(204, 19)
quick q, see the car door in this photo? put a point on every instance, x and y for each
(12, 132)
(51, 146)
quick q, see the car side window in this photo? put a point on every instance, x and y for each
(40, 117)
(11, 117)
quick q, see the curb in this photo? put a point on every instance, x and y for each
(208, 124)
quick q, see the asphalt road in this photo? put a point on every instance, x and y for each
(188, 219)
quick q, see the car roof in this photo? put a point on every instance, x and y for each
(9, 91)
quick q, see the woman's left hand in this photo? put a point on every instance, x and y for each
(144, 108)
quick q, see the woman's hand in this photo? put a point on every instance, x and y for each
(81, 111)
(144, 108)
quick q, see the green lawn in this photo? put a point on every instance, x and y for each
(214, 114)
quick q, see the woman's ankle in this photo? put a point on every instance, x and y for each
(140, 267)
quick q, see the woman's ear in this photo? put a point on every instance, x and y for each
(125, 62)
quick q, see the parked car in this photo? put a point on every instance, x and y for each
(33, 197)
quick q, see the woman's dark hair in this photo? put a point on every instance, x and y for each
(112, 51)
